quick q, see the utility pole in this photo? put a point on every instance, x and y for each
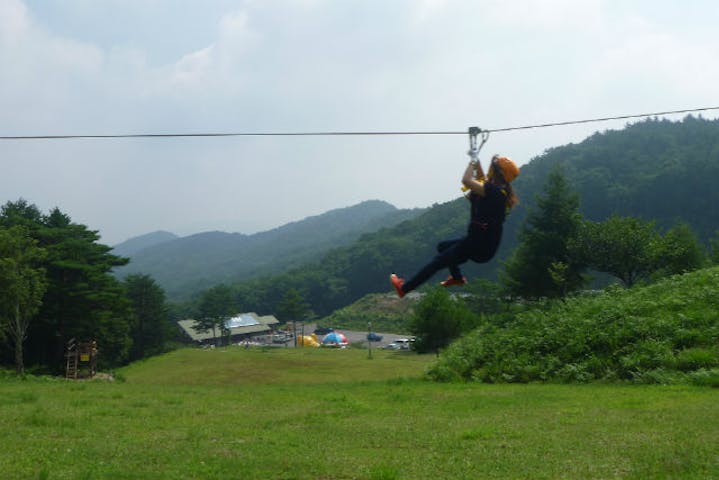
(369, 340)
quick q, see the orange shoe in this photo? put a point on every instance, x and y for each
(451, 281)
(397, 284)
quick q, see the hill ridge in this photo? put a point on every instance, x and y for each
(186, 264)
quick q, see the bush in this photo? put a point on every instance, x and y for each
(691, 359)
(654, 334)
(438, 319)
(705, 378)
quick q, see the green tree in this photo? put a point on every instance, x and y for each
(541, 265)
(678, 251)
(151, 328)
(714, 248)
(22, 285)
(21, 213)
(83, 300)
(485, 297)
(217, 305)
(619, 246)
(438, 319)
(294, 308)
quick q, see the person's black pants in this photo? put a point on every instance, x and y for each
(450, 254)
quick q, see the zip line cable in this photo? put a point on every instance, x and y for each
(357, 133)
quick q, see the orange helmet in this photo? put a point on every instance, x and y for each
(509, 169)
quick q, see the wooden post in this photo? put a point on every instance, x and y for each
(369, 341)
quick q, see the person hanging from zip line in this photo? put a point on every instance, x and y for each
(491, 198)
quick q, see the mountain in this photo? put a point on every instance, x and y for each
(183, 266)
(135, 244)
(655, 169)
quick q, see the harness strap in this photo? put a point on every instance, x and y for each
(481, 225)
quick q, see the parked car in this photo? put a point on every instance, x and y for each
(374, 337)
(323, 330)
(279, 338)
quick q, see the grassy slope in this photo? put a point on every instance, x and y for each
(307, 366)
(310, 414)
(666, 332)
(386, 312)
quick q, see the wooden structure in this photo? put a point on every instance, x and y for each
(241, 327)
(80, 359)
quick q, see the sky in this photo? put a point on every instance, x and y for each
(88, 67)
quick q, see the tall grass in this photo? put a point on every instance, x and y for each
(663, 333)
(318, 414)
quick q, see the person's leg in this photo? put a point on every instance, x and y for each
(449, 257)
(454, 270)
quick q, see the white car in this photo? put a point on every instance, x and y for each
(399, 344)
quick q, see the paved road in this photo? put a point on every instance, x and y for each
(356, 336)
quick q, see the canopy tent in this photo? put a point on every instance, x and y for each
(335, 339)
(308, 341)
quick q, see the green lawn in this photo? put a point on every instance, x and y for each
(328, 414)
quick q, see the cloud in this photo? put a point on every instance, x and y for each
(14, 21)
(194, 68)
(45, 76)
(316, 65)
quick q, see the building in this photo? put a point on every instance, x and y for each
(245, 326)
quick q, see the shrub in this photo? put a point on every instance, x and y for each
(697, 358)
(662, 333)
(438, 319)
(705, 378)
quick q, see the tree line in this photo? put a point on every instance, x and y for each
(56, 284)
(557, 247)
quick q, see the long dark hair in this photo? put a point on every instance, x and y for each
(496, 173)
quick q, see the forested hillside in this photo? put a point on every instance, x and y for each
(184, 266)
(655, 169)
(137, 244)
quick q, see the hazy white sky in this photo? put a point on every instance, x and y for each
(186, 66)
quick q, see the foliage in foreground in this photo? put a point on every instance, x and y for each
(667, 332)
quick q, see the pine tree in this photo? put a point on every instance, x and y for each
(541, 265)
(294, 308)
(437, 320)
(217, 305)
(151, 327)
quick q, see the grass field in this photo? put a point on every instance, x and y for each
(329, 414)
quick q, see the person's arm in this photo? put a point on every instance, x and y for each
(469, 179)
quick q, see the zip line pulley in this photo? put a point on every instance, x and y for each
(474, 149)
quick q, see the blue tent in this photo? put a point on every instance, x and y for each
(335, 339)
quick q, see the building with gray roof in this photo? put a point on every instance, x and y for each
(244, 326)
